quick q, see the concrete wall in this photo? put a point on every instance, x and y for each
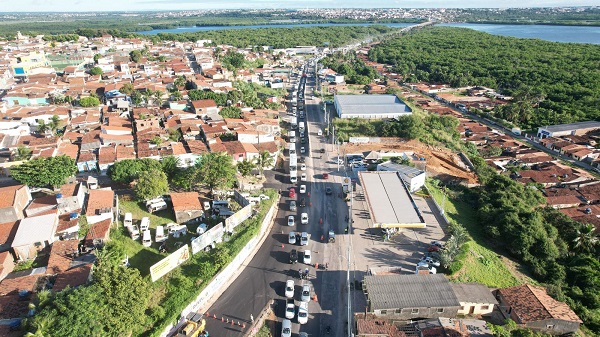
(407, 314)
(475, 308)
(554, 326)
(185, 216)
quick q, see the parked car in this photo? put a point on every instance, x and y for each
(304, 218)
(328, 191)
(433, 248)
(302, 188)
(304, 239)
(429, 261)
(302, 202)
(293, 256)
(286, 328)
(303, 177)
(292, 193)
(290, 308)
(305, 294)
(302, 313)
(437, 243)
(292, 238)
(307, 257)
(201, 228)
(325, 176)
(303, 167)
(302, 149)
(289, 288)
(291, 220)
(293, 205)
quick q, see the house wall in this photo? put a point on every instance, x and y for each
(415, 183)
(475, 308)
(27, 252)
(10, 214)
(554, 326)
(185, 216)
(87, 166)
(92, 219)
(14, 213)
(408, 314)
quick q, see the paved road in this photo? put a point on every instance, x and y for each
(263, 279)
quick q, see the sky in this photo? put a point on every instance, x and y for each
(165, 5)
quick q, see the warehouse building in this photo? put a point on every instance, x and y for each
(389, 201)
(370, 106)
(412, 176)
(578, 128)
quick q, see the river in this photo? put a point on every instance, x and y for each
(576, 34)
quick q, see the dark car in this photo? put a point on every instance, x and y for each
(293, 256)
(325, 176)
(328, 191)
(302, 202)
(302, 159)
(323, 150)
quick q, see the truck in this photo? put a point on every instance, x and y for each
(294, 122)
(293, 162)
(292, 136)
(293, 177)
(301, 127)
(194, 326)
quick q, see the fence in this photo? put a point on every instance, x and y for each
(437, 206)
(226, 276)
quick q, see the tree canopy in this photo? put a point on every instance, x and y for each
(151, 184)
(127, 170)
(44, 172)
(550, 82)
(87, 102)
(215, 170)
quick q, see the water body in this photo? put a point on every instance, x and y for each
(576, 34)
(287, 25)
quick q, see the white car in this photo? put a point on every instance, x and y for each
(302, 188)
(320, 132)
(304, 239)
(291, 220)
(302, 149)
(289, 289)
(292, 238)
(290, 308)
(303, 312)
(307, 257)
(201, 229)
(303, 167)
(303, 177)
(304, 218)
(305, 294)
(293, 179)
(286, 328)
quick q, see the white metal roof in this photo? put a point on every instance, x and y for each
(371, 105)
(35, 229)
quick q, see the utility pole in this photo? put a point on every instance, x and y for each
(349, 318)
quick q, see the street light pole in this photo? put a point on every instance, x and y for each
(350, 221)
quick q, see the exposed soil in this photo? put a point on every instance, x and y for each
(440, 162)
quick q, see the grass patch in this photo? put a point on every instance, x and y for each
(138, 211)
(355, 127)
(264, 331)
(482, 265)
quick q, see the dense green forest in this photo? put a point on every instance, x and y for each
(355, 71)
(531, 16)
(551, 82)
(118, 23)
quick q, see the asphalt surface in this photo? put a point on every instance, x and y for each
(263, 279)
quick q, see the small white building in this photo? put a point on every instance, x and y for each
(34, 234)
(475, 299)
(579, 128)
(413, 177)
(370, 106)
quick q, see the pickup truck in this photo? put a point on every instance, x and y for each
(290, 308)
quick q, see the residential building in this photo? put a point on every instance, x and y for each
(41, 205)
(101, 205)
(13, 202)
(98, 234)
(410, 297)
(186, 206)
(411, 176)
(475, 299)
(531, 307)
(34, 234)
(578, 128)
(7, 234)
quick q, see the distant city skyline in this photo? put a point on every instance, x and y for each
(176, 5)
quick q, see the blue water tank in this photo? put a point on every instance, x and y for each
(73, 215)
(58, 195)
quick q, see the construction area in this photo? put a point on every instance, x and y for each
(439, 162)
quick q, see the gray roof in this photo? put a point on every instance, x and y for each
(473, 293)
(388, 199)
(371, 105)
(572, 126)
(405, 170)
(409, 291)
(36, 229)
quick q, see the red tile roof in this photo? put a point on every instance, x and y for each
(8, 195)
(12, 285)
(186, 201)
(531, 304)
(98, 199)
(8, 231)
(99, 230)
(73, 277)
(61, 256)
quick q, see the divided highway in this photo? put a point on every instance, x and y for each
(264, 278)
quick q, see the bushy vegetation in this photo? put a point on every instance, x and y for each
(550, 82)
(44, 172)
(355, 71)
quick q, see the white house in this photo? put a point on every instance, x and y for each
(34, 234)
(254, 137)
(475, 299)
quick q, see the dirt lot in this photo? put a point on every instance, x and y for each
(440, 162)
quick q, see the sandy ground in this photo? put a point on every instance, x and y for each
(440, 162)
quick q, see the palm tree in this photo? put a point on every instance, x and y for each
(263, 160)
(245, 167)
(586, 238)
(158, 96)
(22, 153)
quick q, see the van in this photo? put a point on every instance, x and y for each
(146, 239)
(128, 220)
(145, 224)
(177, 230)
(160, 234)
(157, 206)
(134, 232)
(154, 201)
(220, 203)
(206, 205)
(286, 328)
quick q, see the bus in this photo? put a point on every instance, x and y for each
(292, 149)
(292, 137)
(293, 163)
